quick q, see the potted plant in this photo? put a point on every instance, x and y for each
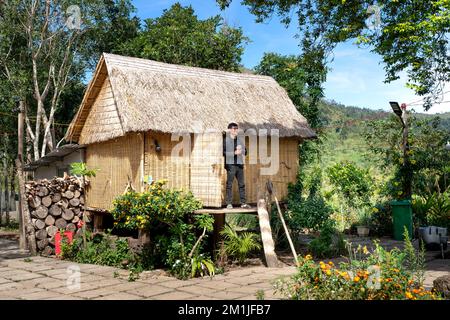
(364, 221)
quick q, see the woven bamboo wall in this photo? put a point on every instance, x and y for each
(255, 182)
(162, 165)
(117, 160)
(103, 119)
(206, 168)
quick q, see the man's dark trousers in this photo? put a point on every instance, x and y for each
(235, 170)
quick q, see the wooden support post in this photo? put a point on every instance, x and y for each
(144, 237)
(266, 235)
(219, 225)
(98, 222)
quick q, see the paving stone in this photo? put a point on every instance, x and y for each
(227, 295)
(90, 294)
(244, 290)
(175, 295)
(9, 285)
(174, 283)
(24, 276)
(197, 290)
(65, 297)
(40, 295)
(49, 283)
(72, 290)
(202, 297)
(150, 290)
(3, 280)
(127, 286)
(219, 285)
(119, 296)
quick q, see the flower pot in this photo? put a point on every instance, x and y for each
(363, 231)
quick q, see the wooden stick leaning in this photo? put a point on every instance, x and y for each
(291, 244)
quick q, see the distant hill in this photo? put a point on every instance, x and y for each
(343, 140)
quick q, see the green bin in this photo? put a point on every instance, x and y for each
(402, 217)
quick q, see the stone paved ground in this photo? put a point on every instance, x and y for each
(48, 278)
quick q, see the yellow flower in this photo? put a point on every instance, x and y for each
(328, 273)
(308, 257)
(375, 210)
(356, 279)
(331, 263)
(365, 251)
(409, 295)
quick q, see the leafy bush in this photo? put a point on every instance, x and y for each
(239, 246)
(351, 182)
(329, 243)
(432, 210)
(380, 275)
(311, 213)
(135, 210)
(165, 213)
(382, 224)
(101, 250)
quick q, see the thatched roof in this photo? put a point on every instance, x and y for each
(149, 95)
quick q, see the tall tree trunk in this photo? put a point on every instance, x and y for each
(26, 217)
(1, 202)
(26, 228)
(6, 196)
(12, 190)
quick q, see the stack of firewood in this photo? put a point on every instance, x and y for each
(54, 205)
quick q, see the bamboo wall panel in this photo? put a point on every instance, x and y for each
(206, 168)
(117, 161)
(255, 182)
(103, 118)
(164, 165)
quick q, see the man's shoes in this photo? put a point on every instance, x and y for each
(230, 206)
(245, 206)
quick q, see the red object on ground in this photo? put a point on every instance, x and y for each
(68, 235)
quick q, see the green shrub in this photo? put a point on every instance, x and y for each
(239, 246)
(135, 210)
(101, 250)
(329, 243)
(381, 224)
(306, 206)
(178, 237)
(311, 213)
(432, 210)
(351, 182)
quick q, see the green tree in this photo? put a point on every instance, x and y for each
(179, 37)
(410, 36)
(427, 164)
(351, 182)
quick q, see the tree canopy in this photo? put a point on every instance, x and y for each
(179, 37)
(410, 36)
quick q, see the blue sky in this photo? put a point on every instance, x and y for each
(356, 76)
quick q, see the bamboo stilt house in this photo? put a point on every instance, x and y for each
(143, 120)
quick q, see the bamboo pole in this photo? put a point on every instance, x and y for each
(291, 244)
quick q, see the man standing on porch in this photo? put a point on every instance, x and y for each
(234, 151)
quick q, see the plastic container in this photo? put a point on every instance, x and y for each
(402, 217)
